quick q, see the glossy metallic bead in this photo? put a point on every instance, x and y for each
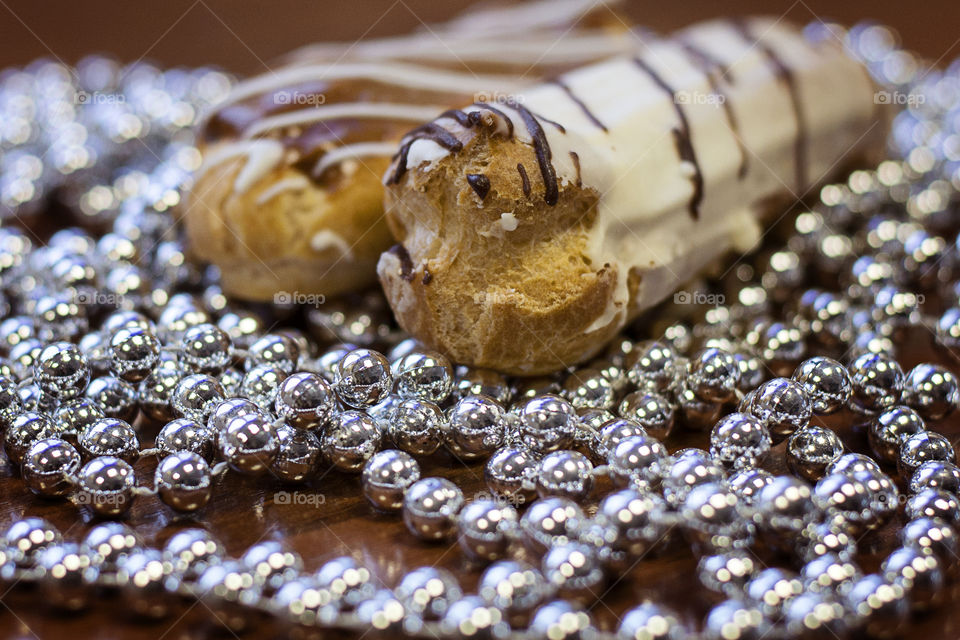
(850, 463)
(229, 409)
(350, 440)
(475, 427)
(231, 380)
(156, 393)
(782, 405)
(637, 461)
(363, 378)
(684, 473)
(931, 536)
(134, 353)
(271, 564)
(415, 426)
(110, 437)
(650, 410)
(61, 371)
(936, 474)
(650, 621)
(815, 614)
(829, 572)
(191, 551)
(631, 522)
(880, 606)
(932, 390)
(827, 383)
(10, 403)
(849, 498)
(74, 416)
(297, 456)
(183, 480)
(471, 381)
(784, 507)
(305, 401)
(653, 366)
(61, 568)
(826, 537)
(693, 412)
(753, 371)
(228, 589)
(24, 430)
(425, 375)
(430, 507)
(561, 620)
(511, 472)
(485, 529)
(106, 484)
(260, 385)
(196, 396)
(920, 574)
(747, 483)
(609, 435)
(49, 466)
(473, 618)
(736, 619)
(877, 382)
(145, 579)
(348, 582)
(23, 541)
(575, 571)
(565, 473)
(386, 476)
(275, 349)
(921, 447)
(714, 375)
(184, 434)
(205, 348)
(428, 592)
(382, 612)
(773, 587)
(888, 429)
(727, 572)
(589, 388)
(115, 397)
(713, 518)
(301, 601)
(549, 522)
(249, 443)
(811, 450)
(548, 423)
(109, 545)
(933, 503)
(513, 586)
(739, 441)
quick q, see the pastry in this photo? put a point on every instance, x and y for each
(531, 232)
(289, 197)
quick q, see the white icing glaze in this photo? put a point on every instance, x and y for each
(294, 183)
(326, 239)
(354, 151)
(261, 156)
(359, 110)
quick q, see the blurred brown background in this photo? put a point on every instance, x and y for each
(244, 36)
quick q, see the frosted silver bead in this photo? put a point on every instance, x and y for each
(746, 484)
(714, 375)
(932, 390)
(631, 521)
(430, 507)
(888, 429)
(548, 423)
(850, 463)
(348, 582)
(305, 401)
(784, 507)
(249, 443)
(276, 349)
(261, 383)
(350, 439)
(739, 441)
(191, 551)
(826, 382)
(156, 393)
(919, 573)
(565, 473)
(727, 572)
(511, 472)
(933, 503)
(386, 476)
(298, 453)
(428, 592)
(653, 366)
(106, 484)
(877, 382)
(24, 430)
(24, 540)
(426, 375)
(415, 426)
(588, 388)
(651, 621)
(184, 434)
(828, 537)
(773, 587)
(61, 371)
(183, 480)
(686, 472)
(475, 427)
(736, 619)
(363, 378)
(134, 353)
(811, 450)
(110, 437)
(650, 410)
(473, 618)
(485, 529)
(205, 348)
(196, 396)
(109, 545)
(561, 620)
(921, 447)
(49, 465)
(62, 568)
(271, 565)
(513, 586)
(936, 474)
(637, 461)
(829, 572)
(115, 397)
(549, 522)
(814, 614)
(713, 519)
(782, 406)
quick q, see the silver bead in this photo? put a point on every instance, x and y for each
(415, 426)
(298, 453)
(782, 406)
(686, 472)
(350, 440)
(48, 467)
(610, 434)
(156, 393)
(631, 522)
(145, 579)
(877, 382)
(24, 430)
(693, 412)
(811, 450)
(205, 348)
(850, 463)
(565, 473)
(727, 572)
(249, 443)
(183, 480)
(261, 383)
(551, 521)
(888, 429)
(651, 411)
(348, 582)
(653, 366)
(933, 503)
(485, 529)
(772, 588)
(511, 472)
(714, 375)
(931, 536)
(10, 403)
(110, 437)
(382, 612)
(75, 416)
(135, 352)
(106, 484)
(363, 378)
(651, 621)
(713, 519)
(229, 409)
(23, 541)
(231, 381)
(473, 618)
(936, 474)
(822, 538)
(919, 573)
(62, 568)
(386, 476)
(739, 441)
(826, 382)
(196, 396)
(425, 375)
(752, 371)
(637, 461)
(305, 401)
(430, 507)
(61, 371)
(428, 592)
(846, 497)
(276, 349)
(184, 434)
(472, 381)
(561, 620)
(784, 507)
(109, 545)
(271, 564)
(919, 448)
(228, 590)
(475, 427)
(513, 587)
(548, 423)
(191, 551)
(829, 572)
(814, 614)
(932, 390)
(588, 388)
(748, 483)
(575, 571)
(736, 619)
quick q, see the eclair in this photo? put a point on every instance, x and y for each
(289, 197)
(531, 232)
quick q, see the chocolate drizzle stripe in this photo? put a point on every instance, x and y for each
(498, 112)
(784, 74)
(479, 183)
(524, 179)
(576, 165)
(681, 136)
(709, 65)
(583, 107)
(430, 131)
(406, 263)
(553, 123)
(541, 147)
